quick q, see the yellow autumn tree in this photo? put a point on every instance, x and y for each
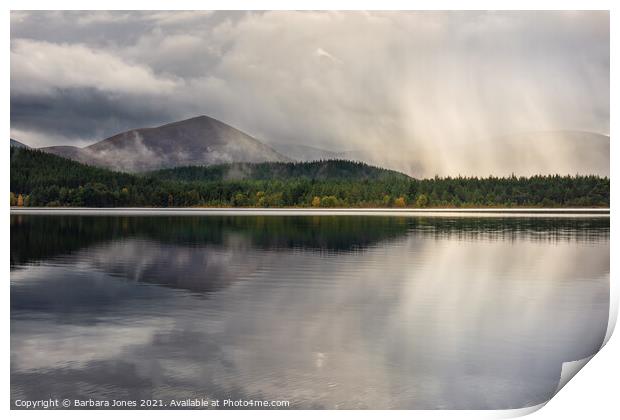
(400, 202)
(20, 200)
(316, 202)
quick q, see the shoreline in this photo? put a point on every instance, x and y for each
(193, 211)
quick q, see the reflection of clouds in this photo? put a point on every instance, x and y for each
(503, 317)
(421, 323)
(79, 345)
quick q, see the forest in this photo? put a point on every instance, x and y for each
(40, 179)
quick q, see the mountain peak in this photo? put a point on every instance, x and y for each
(199, 140)
(196, 118)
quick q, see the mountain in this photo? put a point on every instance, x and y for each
(523, 154)
(552, 152)
(328, 170)
(303, 153)
(15, 143)
(197, 141)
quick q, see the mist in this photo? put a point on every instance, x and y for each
(428, 93)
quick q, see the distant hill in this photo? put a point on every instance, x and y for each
(197, 141)
(15, 143)
(303, 153)
(523, 154)
(553, 152)
(316, 170)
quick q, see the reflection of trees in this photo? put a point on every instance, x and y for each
(39, 237)
(508, 228)
(36, 237)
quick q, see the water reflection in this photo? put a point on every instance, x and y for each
(39, 237)
(325, 312)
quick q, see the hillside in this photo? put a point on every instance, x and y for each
(302, 153)
(42, 179)
(32, 169)
(15, 143)
(196, 141)
(317, 170)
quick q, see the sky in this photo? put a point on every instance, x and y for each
(431, 92)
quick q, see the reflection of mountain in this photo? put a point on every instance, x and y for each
(207, 254)
(199, 269)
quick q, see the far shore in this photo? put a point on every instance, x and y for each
(237, 211)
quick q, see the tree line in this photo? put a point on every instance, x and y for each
(42, 179)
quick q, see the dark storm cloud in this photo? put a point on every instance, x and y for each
(78, 113)
(417, 89)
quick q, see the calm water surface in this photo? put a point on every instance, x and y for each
(326, 312)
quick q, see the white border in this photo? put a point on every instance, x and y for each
(593, 394)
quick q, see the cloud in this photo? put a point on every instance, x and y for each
(83, 115)
(42, 67)
(418, 90)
